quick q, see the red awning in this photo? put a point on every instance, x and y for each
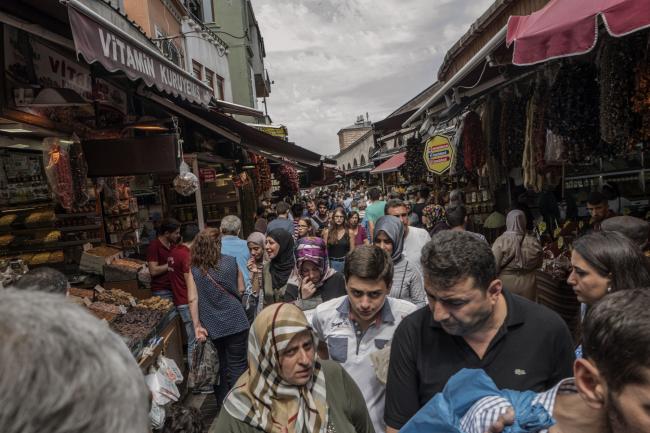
(391, 164)
(568, 27)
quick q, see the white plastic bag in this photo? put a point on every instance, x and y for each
(170, 369)
(186, 183)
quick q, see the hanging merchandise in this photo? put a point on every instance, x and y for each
(186, 183)
(512, 127)
(261, 173)
(289, 182)
(58, 171)
(79, 170)
(573, 112)
(414, 169)
(535, 138)
(458, 159)
(473, 142)
(617, 61)
(490, 119)
(641, 99)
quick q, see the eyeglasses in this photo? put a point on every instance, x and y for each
(303, 226)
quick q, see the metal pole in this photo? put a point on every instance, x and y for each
(383, 187)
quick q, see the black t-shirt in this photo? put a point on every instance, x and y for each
(332, 288)
(532, 351)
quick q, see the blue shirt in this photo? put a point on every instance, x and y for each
(238, 248)
(281, 223)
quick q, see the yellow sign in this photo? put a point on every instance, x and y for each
(438, 153)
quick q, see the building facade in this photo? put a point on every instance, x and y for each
(350, 134)
(357, 155)
(235, 22)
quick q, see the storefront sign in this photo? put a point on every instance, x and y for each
(207, 175)
(438, 153)
(99, 43)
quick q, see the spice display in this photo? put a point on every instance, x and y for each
(414, 168)
(616, 79)
(7, 220)
(103, 310)
(58, 171)
(573, 109)
(79, 171)
(116, 297)
(136, 324)
(261, 174)
(155, 303)
(473, 142)
(288, 177)
(131, 264)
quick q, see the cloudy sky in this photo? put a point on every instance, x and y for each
(332, 60)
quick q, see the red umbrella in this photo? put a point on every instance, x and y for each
(568, 27)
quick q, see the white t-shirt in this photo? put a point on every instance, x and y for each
(413, 243)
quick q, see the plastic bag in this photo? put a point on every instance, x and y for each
(163, 390)
(170, 369)
(555, 150)
(157, 416)
(186, 183)
(205, 365)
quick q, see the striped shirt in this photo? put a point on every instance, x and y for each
(487, 410)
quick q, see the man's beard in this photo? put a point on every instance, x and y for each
(616, 422)
(460, 329)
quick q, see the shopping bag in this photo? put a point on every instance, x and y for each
(205, 366)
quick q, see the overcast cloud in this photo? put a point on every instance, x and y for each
(332, 60)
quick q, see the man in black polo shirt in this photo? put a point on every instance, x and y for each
(475, 324)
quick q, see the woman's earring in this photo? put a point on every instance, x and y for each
(609, 290)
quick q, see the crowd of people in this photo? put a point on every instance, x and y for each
(356, 312)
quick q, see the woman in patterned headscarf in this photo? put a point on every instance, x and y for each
(285, 389)
(313, 281)
(434, 217)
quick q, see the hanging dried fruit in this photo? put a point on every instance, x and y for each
(414, 169)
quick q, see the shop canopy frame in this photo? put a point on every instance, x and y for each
(391, 165)
(566, 28)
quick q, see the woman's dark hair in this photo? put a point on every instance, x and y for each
(369, 262)
(206, 249)
(616, 337)
(182, 419)
(616, 257)
(331, 240)
(353, 213)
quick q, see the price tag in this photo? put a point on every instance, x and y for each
(87, 302)
(122, 309)
(99, 288)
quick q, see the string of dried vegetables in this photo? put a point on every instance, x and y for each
(617, 61)
(512, 128)
(535, 138)
(414, 170)
(640, 101)
(473, 142)
(573, 109)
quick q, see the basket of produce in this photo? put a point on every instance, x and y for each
(93, 260)
(122, 269)
(40, 218)
(155, 303)
(7, 220)
(103, 310)
(116, 297)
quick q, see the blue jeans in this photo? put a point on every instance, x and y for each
(184, 312)
(337, 264)
(165, 294)
(233, 351)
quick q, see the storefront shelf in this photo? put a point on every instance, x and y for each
(79, 228)
(120, 215)
(234, 200)
(46, 247)
(76, 215)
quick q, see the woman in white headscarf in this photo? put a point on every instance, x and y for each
(518, 255)
(407, 279)
(286, 389)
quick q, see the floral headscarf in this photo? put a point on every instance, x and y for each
(312, 249)
(261, 398)
(435, 214)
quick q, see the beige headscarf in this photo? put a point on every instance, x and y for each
(261, 398)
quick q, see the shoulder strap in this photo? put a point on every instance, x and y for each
(219, 286)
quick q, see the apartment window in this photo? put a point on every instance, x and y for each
(209, 79)
(221, 94)
(197, 70)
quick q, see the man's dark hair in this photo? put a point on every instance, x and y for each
(616, 257)
(296, 209)
(374, 194)
(452, 256)
(393, 202)
(43, 279)
(369, 262)
(322, 202)
(189, 232)
(595, 198)
(456, 215)
(168, 225)
(616, 336)
(261, 210)
(424, 192)
(282, 208)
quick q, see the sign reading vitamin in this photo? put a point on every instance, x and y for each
(438, 153)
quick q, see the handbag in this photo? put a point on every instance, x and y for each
(205, 366)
